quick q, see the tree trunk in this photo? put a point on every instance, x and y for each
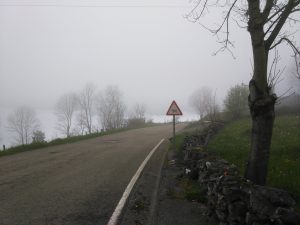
(262, 114)
(261, 101)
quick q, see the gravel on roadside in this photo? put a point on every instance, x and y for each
(152, 202)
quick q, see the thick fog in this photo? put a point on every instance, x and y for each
(146, 48)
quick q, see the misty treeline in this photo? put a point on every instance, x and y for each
(203, 100)
(235, 104)
(84, 112)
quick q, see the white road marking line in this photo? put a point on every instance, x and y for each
(118, 210)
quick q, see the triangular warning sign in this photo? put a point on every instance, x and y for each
(174, 110)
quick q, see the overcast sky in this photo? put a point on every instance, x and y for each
(153, 54)
(147, 48)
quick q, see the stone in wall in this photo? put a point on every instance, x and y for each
(234, 200)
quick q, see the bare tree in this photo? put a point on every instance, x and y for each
(291, 102)
(0, 127)
(111, 109)
(197, 101)
(80, 127)
(139, 111)
(236, 100)
(202, 100)
(294, 79)
(64, 110)
(213, 109)
(23, 122)
(86, 104)
(265, 21)
(137, 117)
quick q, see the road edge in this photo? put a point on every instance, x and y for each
(118, 210)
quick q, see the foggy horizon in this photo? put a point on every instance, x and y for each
(148, 49)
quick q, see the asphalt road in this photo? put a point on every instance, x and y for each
(73, 184)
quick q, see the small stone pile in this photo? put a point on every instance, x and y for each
(234, 200)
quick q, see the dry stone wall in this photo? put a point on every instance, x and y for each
(231, 198)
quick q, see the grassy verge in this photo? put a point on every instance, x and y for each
(233, 144)
(189, 190)
(60, 141)
(179, 139)
(185, 188)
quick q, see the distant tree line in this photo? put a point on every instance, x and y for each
(89, 111)
(203, 100)
(236, 102)
(85, 112)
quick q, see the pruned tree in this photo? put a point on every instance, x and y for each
(86, 100)
(236, 100)
(265, 21)
(204, 103)
(22, 122)
(111, 108)
(64, 111)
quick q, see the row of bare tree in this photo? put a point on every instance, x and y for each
(77, 114)
(236, 101)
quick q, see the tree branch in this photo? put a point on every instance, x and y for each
(194, 9)
(294, 48)
(267, 9)
(275, 74)
(283, 17)
(297, 66)
(271, 25)
(275, 14)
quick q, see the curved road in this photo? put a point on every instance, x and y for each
(73, 184)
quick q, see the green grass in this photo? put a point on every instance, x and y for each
(233, 143)
(185, 188)
(61, 141)
(195, 192)
(179, 140)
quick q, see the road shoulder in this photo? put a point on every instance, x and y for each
(150, 203)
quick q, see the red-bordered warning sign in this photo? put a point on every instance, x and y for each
(174, 110)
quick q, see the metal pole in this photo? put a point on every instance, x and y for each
(174, 131)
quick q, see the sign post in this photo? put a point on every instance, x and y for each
(174, 110)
